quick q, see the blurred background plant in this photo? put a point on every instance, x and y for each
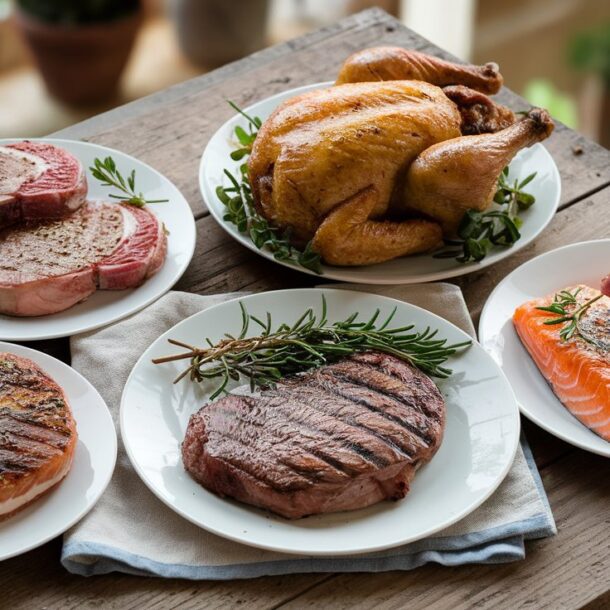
(554, 52)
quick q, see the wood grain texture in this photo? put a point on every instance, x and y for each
(169, 130)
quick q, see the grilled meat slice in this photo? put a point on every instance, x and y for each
(37, 433)
(340, 437)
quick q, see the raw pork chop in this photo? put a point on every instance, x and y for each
(48, 266)
(39, 181)
(340, 437)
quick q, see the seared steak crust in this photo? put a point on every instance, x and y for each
(340, 437)
(37, 432)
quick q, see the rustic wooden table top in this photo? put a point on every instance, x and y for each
(169, 131)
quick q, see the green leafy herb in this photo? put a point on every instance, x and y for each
(479, 231)
(309, 342)
(240, 211)
(107, 173)
(565, 305)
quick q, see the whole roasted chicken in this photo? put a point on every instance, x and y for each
(386, 162)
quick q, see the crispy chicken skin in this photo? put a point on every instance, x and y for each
(453, 176)
(317, 154)
(396, 63)
(347, 168)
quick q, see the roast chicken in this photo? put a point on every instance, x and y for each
(386, 162)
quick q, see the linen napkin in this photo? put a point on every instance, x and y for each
(130, 530)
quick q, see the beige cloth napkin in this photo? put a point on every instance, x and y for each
(130, 530)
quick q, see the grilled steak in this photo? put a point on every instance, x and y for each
(48, 266)
(37, 433)
(340, 437)
(37, 181)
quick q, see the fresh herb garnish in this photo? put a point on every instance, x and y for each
(561, 302)
(107, 173)
(479, 231)
(310, 342)
(240, 210)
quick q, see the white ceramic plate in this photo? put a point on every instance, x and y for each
(407, 270)
(91, 470)
(582, 263)
(481, 437)
(107, 306)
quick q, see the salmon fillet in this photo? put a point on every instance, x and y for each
(578, 369)
(37, 433)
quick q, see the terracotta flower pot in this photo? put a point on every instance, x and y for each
(81, 64)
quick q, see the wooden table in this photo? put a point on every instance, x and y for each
(169, 130)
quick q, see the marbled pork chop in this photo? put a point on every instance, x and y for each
(46, 267)
(39, 181)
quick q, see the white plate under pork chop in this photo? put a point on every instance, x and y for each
(107, 306)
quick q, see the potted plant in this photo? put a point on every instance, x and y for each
(215, 32)
(80, 46)
(590, 52)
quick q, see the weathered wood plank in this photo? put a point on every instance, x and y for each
(567, 571)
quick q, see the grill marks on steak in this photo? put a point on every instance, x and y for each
(48, 266)
(39, 181)
(340, 437)
(37, 433)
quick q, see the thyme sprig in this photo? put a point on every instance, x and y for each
(240, 211)
(479, 231)
(565, 305)
(107, 173)
(311, 341)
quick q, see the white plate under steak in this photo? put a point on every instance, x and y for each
(107, 306)
(480, 441)
(582, 263)
(409, 269)
(94, 460)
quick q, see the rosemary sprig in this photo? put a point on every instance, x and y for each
(240, 210)
(479, 231)
(309, 342)
(565, 305)
(107, 173)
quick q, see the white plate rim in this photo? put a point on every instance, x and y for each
(145, 302)
(523, 409)
(39, 358)
(336, 273)
(271, 547)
